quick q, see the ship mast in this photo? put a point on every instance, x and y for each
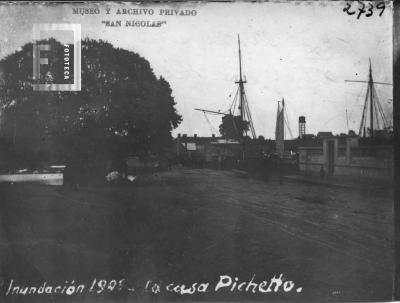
(241, 90)
(373, 103)
(280, 129)
(244, 108)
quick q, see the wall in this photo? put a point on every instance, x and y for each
(311, 159)
(371, 162)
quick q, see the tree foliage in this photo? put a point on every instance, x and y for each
(232, 127)
(123, 108)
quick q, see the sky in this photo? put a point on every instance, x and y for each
(299, 51)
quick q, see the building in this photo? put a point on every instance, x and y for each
(324, 134)
(203, 150)
(194, 150)
(344, 156)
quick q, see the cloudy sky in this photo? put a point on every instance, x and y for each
(297, 50)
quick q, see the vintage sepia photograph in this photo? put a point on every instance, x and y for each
(197, 151)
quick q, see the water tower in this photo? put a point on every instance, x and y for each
(302, 126)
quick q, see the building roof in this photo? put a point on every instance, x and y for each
(196, 139)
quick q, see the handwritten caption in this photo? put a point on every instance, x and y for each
(101, 286)
(366, 9)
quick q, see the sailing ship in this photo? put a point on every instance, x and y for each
(239, 107)
(280, 129)
(373, 113)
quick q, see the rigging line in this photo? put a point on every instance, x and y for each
(333, 118)
(361, 93)
(251, 120)
(228, 99)
(209, 123)
(385, 123)
(382, 113)
(279, 117)
(253, 132)
(363, 81)
(378, 108)
(234, 102)
(350, 115)
(213, 130)
(245, 114)
(247, 111)
(362, 124)
(376, 115)
(286, 118)
(211, 113)
(285, 126)
(289, 129)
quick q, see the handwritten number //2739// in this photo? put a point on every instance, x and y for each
(364, 8)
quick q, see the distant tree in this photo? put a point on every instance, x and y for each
(123, 108)
(232, 127)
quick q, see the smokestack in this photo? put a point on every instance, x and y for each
(302, 126)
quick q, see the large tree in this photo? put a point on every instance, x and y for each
(123, 108)
(232, 127)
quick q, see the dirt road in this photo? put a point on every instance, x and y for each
(187, 226)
